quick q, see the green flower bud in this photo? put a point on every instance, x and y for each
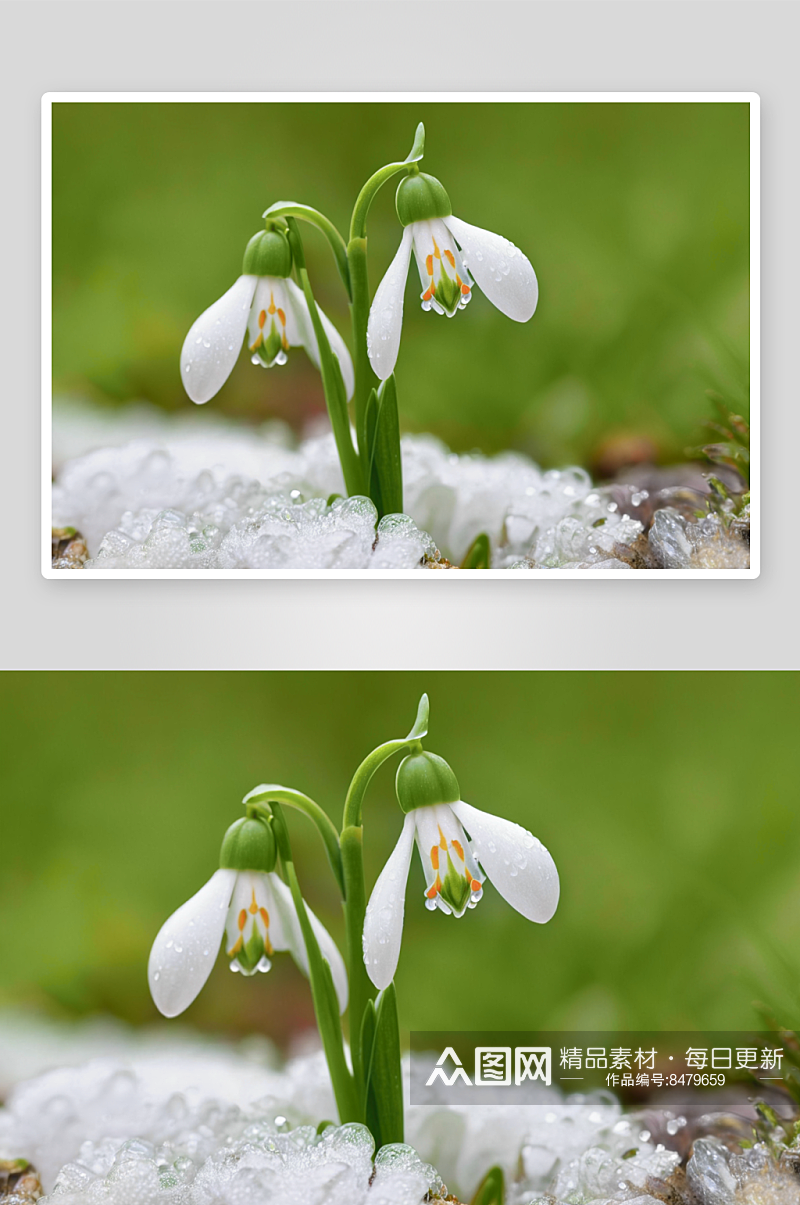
(268, 254)
(423, 780)
(249, 844)
(421, 197)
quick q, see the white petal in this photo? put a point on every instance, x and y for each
(499, 268)
(292, 934)
(383, 923)
(187, 945)
(212, 346)
(309, 339)
(386, 315)
(519, 866)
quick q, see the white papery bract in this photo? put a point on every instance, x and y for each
(273, 311)
(254, 912)
(451, 256)
(455, 867)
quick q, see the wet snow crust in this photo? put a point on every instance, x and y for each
(149, 491)
(179, 1120)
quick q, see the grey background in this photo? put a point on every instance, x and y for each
(715, 46)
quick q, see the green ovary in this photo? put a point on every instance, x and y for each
(455, 889)
(251, 954)
(447, 293)
(271, 347)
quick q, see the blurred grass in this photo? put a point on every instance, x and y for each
(635, 217)
(676, 836)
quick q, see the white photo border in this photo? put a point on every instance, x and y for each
(750, 98)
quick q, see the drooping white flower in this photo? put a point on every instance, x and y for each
(451, 256)
(455, 864)
(250, 912)
(267, 306)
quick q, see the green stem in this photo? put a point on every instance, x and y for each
(331, 375)
(358, 222)
(269, 792)
(351, 844)
(287, 209)
(348, 1096)
(366, 380)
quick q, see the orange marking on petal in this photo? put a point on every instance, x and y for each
(465, 289)
(436, 250)
(236, 948)
(255, 346)
(242, 918)
(475, 885)
(459, 848)
(435, 857)
(262, 318)
(433, 891)
(272, 306)
(451, 259)
(442, 841)
(426, 296)
(284, 342)
(429, 265)
(264, 916)
(253, 904)
(281, 317)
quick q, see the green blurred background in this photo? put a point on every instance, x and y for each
(669, 802)
(635, 216)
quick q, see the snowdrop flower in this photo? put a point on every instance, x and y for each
(245, 906)
(267, 304)
(451, 256)
(455, 865)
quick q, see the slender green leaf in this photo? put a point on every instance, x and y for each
(386, 469)
(385, 1078)
(491, 1189)
(479, 555)
(367, 1043)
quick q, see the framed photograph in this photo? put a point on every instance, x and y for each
(318, 335)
